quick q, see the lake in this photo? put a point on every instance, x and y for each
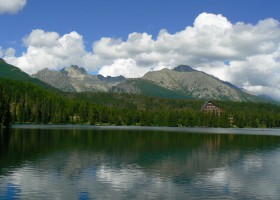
(92, 163)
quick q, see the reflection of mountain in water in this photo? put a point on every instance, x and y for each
(127, 164)
(172, 154)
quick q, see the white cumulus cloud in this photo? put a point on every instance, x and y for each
(49, 49)
(124, 67)
(248, 55)
(11, 6)
(10, 52)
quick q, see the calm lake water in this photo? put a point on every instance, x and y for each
(134, 164)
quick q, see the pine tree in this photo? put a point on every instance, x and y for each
(1, 105)
(5, 114)
(6, 119)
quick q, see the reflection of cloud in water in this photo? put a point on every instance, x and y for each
(120, 178)
(219, 176)
(100, 176)
(255, 176)
(61, 177)
(252, 162)
(16, 178)
(189, 165)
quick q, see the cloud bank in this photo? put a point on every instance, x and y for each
(49, 49)
(11, 6)
(245, 54)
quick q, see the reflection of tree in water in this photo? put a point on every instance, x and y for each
(120, 163)
(170, 154)
(213, 144)
(184, 164)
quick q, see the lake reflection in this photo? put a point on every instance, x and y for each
(91, 164)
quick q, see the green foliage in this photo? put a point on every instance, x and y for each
(11, 72)
(151, 89)
(5, 115)
(23, 102)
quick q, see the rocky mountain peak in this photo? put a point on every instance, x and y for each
(110, 78)
(44, 70)
(76, 79)
(181, 82)
(74, 70)
(183, 68)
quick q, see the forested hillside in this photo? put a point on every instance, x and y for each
(23, 102)
(8, 71)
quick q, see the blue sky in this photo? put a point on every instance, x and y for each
(234, 40)
(110, 18)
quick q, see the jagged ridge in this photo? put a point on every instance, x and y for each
(76, 79)
(185, 82)
(180, 82)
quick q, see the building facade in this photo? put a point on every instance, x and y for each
(209, 107)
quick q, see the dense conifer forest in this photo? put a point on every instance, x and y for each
(22, 102)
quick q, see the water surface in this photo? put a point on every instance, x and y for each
(134, 164)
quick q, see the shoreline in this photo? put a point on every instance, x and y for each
(241, 131)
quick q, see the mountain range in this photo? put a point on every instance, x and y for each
(182, 82)
(76, 79)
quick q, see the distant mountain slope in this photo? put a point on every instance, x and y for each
(76, 79)
(8, 71)
(56, 79)
(181, 82)
(148, 88)
(184, 82)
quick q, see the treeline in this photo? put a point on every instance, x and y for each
(22, 102)
(5, 115)
(248, 114)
